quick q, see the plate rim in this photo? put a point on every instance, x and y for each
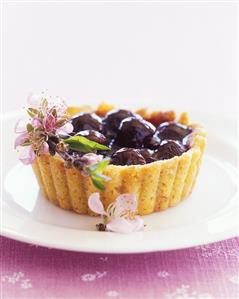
(221, 236)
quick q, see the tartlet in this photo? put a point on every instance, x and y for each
(158, 184)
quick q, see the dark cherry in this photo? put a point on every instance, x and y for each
(148, 155)
(127, 156)
(114, 118)
(152, 142)
(169, 149)
(131, 139)
(173, 131)
(86, 121)
(93, 136)
(133, 132)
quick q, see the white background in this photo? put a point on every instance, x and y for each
(165, 53)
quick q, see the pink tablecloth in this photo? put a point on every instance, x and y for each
(210, 271)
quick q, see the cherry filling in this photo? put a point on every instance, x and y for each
(113, 119)
(148, 155)
(86, 121)
(168, 149)
(133, 132)
(131, 139)
(173, 131)
(127, 156)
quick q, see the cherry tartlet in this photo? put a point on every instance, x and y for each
(153, 155)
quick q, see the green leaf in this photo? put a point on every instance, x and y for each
(100, 166)
(82, 144)
(32, 112)
(95, 171)
(29, 128)
(98, 182)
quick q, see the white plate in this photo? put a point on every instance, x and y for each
(209, 215)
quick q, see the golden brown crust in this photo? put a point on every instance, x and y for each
(157, 117)
(158, 185)
(183, 118)
(73, 110)
(103, 109)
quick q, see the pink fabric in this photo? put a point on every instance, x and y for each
(210, 271)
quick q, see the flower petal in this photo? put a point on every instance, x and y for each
(21, 139)
(36, 123)
(125, 226)
(91, 159)
(21, 126)
(137, 224)
(27, 155)
(49, 123)
(66, 129)
(95, 204)
(119, 225)
(126, 202)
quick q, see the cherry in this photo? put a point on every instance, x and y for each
(114, 118)
(168, 149)
(172, 131)
(133, 132)
(148, 155)
(86, 121)
(152, 142)
(127, 156)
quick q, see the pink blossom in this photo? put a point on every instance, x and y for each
(125, 226)
(50, 114)
(120, 215)
(49, 123)
(35, 101)
(95, 204)
(126, 203)
(36, 123)
(21, 139)
(91, 159)
(20, 126)
(27, 155)
(67, 128)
